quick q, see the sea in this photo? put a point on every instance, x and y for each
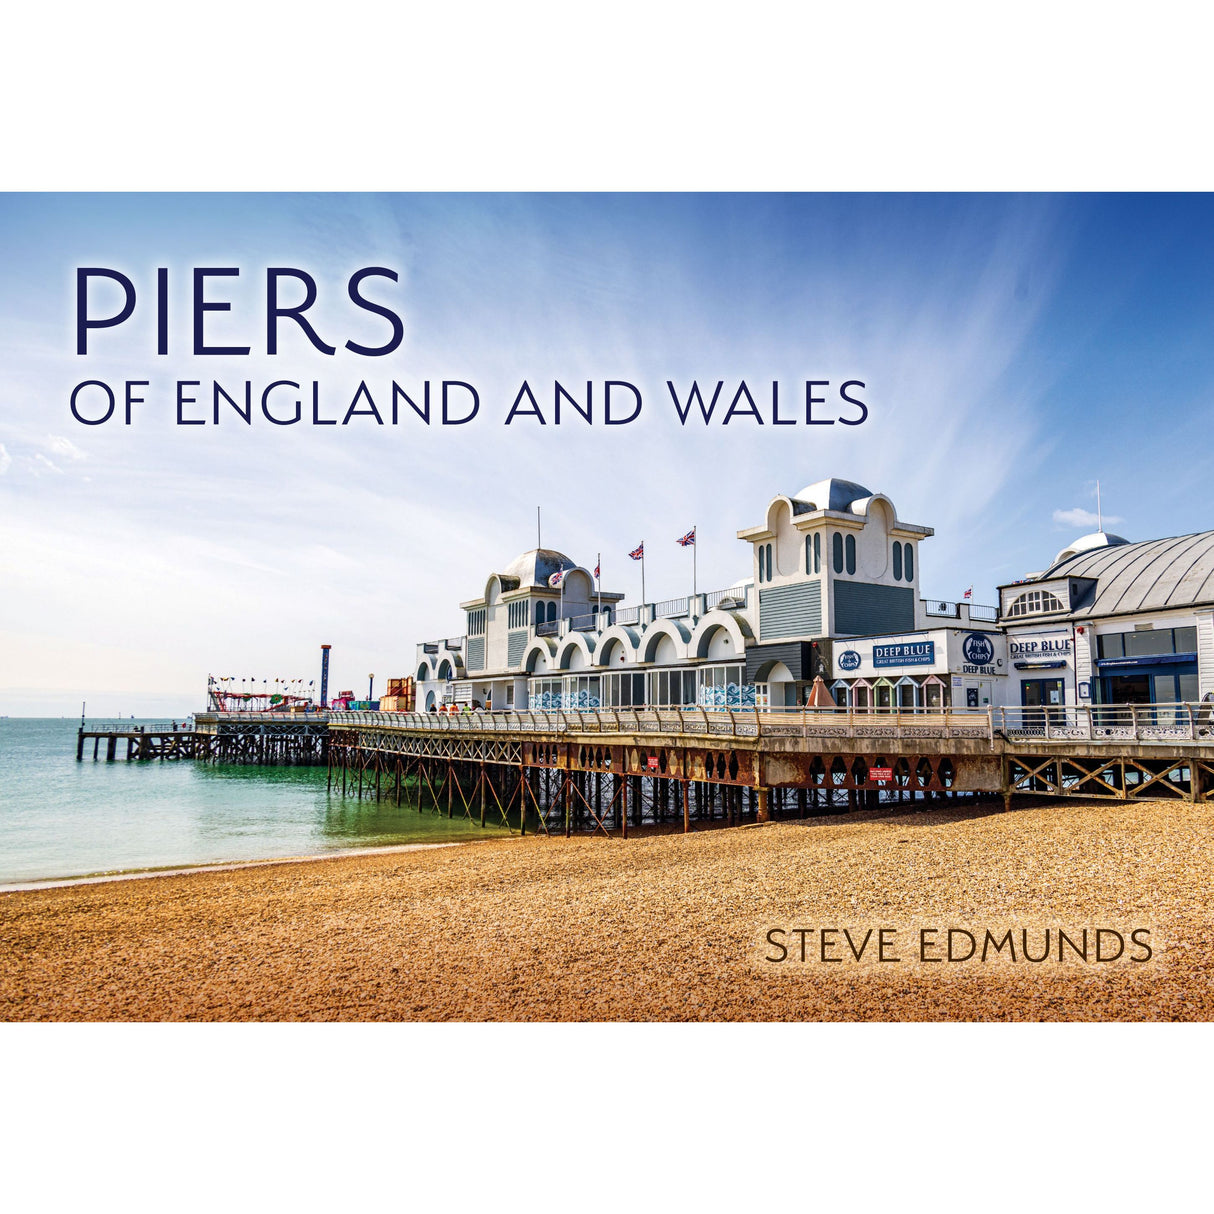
(61, 819)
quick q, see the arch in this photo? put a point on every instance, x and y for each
(579, 586)
(775, 513)
(615, 642)
(774, 667)
(551, 611)
(880, 509)
(445, 670)
(423, 673)
(539, 655)
(672, 629)
(493, 589)
(431, 699)
(788, 539)
(708, 631)
(575, 642)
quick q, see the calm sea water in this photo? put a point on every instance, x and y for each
(60, 818)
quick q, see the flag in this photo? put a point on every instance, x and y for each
(555, 579)
(596, 571)
(969, 594)
(638, 553)
(688, 539)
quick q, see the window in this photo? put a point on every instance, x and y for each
(817, 552)
(1034, 603)
(551, 611)
(837, 548)
(768, 551)
(851, 554)
(1145, 642)
(672, 687)
(476, 622)
(897, 561)
(908, 562)
(623, 690)
(539, 612)
(809, 554)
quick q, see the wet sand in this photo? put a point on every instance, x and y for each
(667, 927)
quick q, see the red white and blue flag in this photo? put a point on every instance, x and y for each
(596, 570)
(969, 594)
(638, 553)
(555, 579)
(688, 539)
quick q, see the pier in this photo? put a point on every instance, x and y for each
(604, 771)
(256, 738)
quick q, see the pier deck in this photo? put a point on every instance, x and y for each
(602, 769)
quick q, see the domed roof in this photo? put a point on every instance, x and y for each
(1151, 575)
(534, 568)
(1085, 543)
(832, 494)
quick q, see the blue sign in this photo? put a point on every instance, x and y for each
(978, 649)
(849, 659)
(910, 653)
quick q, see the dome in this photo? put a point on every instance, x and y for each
(534, 568)
(1086, 543)
(832, 494)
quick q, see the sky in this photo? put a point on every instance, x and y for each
(1014, 349)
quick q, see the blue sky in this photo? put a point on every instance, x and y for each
(1014, 348)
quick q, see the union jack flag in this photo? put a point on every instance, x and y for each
(638, 552)
(555, 579)
(969, 594)
(688, 539)
(596, 570)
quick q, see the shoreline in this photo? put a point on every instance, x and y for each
(220, 866)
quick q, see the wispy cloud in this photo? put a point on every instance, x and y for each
(6, 460)
(63, 447)
(1079, 517)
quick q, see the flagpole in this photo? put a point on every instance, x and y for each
(642, 573)
(598, 585)
(694, 546)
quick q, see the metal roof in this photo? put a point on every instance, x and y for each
(1151, 576)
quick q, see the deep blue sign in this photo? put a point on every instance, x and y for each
(910, 653)
(849, 659)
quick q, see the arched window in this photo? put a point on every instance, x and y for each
(762, 567)
(1034, 603)
(897, 561)
(908, 562)
(817, 552)
(539, 612)
(851, 554)
(551, 611)
(809, 554)
(769, 562)
(837, 547)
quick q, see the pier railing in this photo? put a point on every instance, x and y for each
(1162, 723)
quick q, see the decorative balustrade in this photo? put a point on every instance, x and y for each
(1161, 723)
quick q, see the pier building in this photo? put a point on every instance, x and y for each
(1114, 622)
(832, 591)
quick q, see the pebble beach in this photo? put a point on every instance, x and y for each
(665, 927)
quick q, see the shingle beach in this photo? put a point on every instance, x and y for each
(663, 927)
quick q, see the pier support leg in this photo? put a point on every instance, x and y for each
(763, 814)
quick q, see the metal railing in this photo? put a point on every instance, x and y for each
(713, 597)
(1161, 723)
(979, 611)
(549, 628)
(952, 611)
(628, 615)
(140, 725)
(671, 608)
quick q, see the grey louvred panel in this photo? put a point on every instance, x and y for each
(790, 611)
(516, 646)
(476, 653)
(863, 609)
